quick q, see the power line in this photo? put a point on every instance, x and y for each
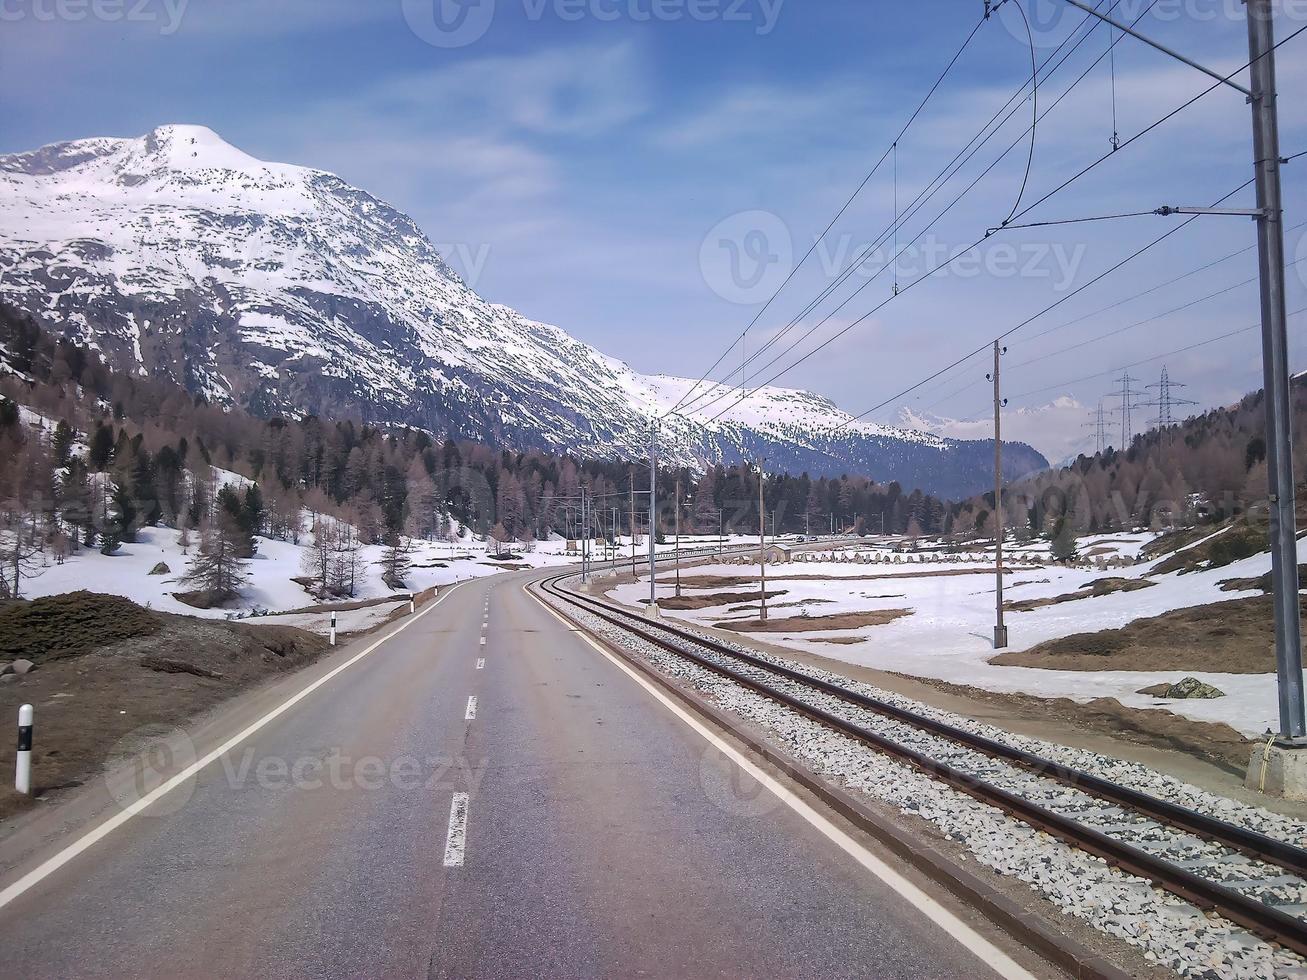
(1128, 396)
(1166, 403)
(937, 184)
(893, 146)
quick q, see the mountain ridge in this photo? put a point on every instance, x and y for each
(288, 291)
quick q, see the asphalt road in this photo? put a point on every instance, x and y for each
(603, 838)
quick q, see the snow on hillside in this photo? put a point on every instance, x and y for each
(287, 290)
(948, 634)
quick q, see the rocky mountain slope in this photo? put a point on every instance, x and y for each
(286, 290)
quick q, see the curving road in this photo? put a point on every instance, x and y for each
(594, 834)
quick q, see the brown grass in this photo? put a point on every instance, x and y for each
(812, 624)
(1236, 636)
(1098, 587)
(734, 581)
(713, 599)
(87, 702)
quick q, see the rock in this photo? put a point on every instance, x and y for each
(22, 666)
(161, 569)
(8, 678)
(1189, 687)
(5, 667)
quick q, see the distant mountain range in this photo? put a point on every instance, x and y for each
(288, 291)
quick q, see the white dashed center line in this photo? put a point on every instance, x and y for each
(471, 708)
(483, 641)
(481, 663)
(456, 840)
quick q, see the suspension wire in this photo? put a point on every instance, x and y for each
(911, 119)
(1034, 119)
(857, 263)
(1011, 330)
(1166, 118)
(928, 193)
(1106, 309)
(1111, 52)
(1147, 129)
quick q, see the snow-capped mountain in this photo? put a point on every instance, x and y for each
(287, 290)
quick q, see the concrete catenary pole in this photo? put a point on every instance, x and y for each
(1275, 366)
(762, 542)
(653, 517)
(1000, 629)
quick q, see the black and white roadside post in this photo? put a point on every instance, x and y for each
(412, 605)
(1280, 767)
(23, 764)
(1000, 628)
(333, 629)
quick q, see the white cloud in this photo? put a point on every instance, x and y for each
(1056, 429)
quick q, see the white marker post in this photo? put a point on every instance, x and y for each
(23, 766)
(411, 607)
(333, 629)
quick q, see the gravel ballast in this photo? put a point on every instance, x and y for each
(1166, 929)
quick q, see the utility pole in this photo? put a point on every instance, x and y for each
(583, 567)
(1128, 396)
(1269, 215)
(1166, 403)
(632, 527)
(1275, 366)
(678, 536)
(1097, 422)
(762, 542)
(1000, 629)
(653, 516)
(721, 540)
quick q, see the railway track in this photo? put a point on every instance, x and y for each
(1245, 876)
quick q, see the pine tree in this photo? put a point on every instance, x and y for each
(217, 572)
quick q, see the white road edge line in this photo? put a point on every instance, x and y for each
(91, 837)
(471, 712)
(456, 838)
(986, 951)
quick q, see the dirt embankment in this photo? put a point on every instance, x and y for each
(812, 624)
(735, 581)
(1235, 637)
(1213, 741)
(108, 670)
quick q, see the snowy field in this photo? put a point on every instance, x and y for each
(948, 635)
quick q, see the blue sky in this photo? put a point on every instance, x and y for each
(600, 165)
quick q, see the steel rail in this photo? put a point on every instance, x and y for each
(1207, 895)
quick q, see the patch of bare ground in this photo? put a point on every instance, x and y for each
(177, 668)
(1213, 742)
(1262, 583)
(1098, 587)
(844, 641)
(1235, 637)
(812, 624)
(713, 599)
(803, 602)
